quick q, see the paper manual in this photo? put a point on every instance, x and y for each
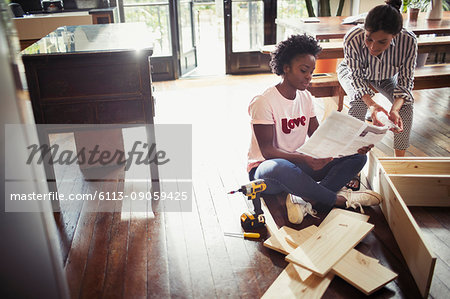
(341, 135)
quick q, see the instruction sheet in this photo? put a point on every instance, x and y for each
(341, 135)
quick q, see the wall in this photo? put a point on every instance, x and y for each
(361, 6)
(29, 256)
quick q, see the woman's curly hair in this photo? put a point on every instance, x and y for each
(286, 50)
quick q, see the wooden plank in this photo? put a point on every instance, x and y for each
(289, 285)
(363, 272)
(277, 241)
(135, 280)
(241, 261)
(336, 211)
(419, 258)
(328, 245)
(425, 191)
(416, 166)
(78, 254)
(280, 242)
(199, 266)
(444, 159)
(222, 272)
(94, 275)
(297, 237)
(267, 270)
(272, 227)
(118, 246)
(180, 284)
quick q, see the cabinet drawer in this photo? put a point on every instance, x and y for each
(69, 113)
(130, 111)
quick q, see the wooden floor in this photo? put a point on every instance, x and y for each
(125, 254)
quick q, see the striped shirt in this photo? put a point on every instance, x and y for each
(399, 59)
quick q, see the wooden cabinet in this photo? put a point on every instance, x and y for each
(93, 74)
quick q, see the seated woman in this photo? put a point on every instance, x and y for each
(281, 118)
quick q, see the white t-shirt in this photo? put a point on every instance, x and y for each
(289, 117)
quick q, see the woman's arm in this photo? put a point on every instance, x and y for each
(313, 125)
(405, 79)
(353, 45)
(264, 136)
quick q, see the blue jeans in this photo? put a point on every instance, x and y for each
(281, 175)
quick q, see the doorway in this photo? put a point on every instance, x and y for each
(209, 38)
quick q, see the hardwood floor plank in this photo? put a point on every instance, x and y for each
(177, 254)
(135, 280)
(266, 271)
(241, 262)
(78, 254)
(438, 238)
(157, 259)
(199, 266)
(225, 283)
(117, 252)
(94, 276)
(383, 247)
(179, 276)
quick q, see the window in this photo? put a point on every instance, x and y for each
(291, 9)
(248, 25)
(155, 14)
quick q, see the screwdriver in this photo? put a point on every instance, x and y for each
(243, 235)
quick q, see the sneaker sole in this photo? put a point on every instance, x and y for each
(294, 213)
(372, 194)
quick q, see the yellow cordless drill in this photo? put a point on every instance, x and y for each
(252, 190)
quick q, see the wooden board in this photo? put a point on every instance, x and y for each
(421, 190)
(289, 285)
(418, 256)
(271, 226)
(329, 244)
(418, 166)
(363, 272)
(277, 241)
(297, 237)
(336, 211)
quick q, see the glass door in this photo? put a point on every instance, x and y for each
(186, 36)
(171, 25)
(249, 25)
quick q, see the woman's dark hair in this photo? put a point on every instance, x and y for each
(386, 17)
(286, 50)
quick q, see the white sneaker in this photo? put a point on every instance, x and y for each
(297, 209)
(361, 198)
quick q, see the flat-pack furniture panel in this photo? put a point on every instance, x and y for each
(418, 256)
(423, 190)
(289, 285)
(329, 244)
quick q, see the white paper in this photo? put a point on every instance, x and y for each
(358, 19)
(310, 20)
(341, 135)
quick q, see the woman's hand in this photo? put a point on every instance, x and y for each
(395, 117)
(316, 163)
(365, 149)
(375, 108)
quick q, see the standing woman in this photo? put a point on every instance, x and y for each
(382, 54)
